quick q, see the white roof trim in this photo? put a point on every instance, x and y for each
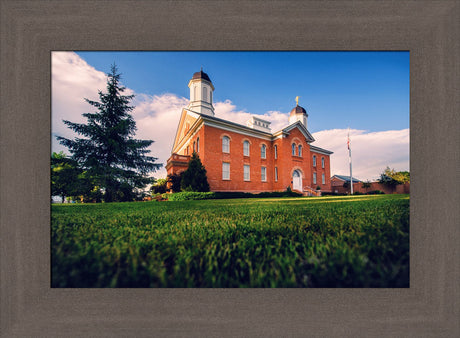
(302, 129)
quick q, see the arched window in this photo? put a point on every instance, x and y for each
(194, 146)
(314, 160)
(195, 93)
(225, 144)
(263, 151)
(322, 162)
(293, 149)
(246, 148)
(205, 94)
(210, 96)
(300, 150)
(276, 152)
(197, 144)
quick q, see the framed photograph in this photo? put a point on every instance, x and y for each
(32, 30)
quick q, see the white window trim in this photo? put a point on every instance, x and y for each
(323, 179)
(263, 151)
(261, 171)
(225, 178)
(249, 172)
(314, 160)
(314, 178)
(228, 144)
(244, 149)
(276, 151)
(322, 162)
(276, 174)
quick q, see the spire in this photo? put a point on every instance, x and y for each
(297, 100)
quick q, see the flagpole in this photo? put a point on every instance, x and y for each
(349, 160)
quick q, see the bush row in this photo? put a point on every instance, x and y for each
(189, 195)
(373, 192)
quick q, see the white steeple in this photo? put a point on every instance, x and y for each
(201, 90)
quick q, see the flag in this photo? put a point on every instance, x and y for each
(348, 141)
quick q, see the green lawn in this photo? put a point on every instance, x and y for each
(357, 241)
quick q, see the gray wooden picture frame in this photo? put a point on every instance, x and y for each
(30, 30)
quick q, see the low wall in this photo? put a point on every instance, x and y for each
(358, 187)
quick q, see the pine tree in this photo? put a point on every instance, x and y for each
(108, 150)
(194, 178)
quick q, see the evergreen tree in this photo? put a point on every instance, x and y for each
(194, 178)
(108, 151)
(174, 181)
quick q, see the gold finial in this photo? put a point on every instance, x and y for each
(297, 100)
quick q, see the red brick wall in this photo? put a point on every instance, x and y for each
(212, 157)
(337, 186)
(320, 171)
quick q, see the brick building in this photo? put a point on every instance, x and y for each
(249, 157)
(338, 186)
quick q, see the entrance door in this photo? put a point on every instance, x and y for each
(296, 180)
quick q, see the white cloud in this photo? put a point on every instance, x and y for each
(226, 110)
(372, 152)
(72, 81)
(157, 118)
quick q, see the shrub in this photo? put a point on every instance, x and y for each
(190, 195)
(194, 178)
(375, 192)
(174, 180)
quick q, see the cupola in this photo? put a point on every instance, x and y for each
(298, 113)
(201, 89)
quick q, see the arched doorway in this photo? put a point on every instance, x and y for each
(297, 180)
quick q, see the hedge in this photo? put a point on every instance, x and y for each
(190, 195)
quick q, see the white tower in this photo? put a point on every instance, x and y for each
(298, 113)
(201, 89)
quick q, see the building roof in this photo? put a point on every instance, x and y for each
(346, 178)
(201, 75)
(298, 110)
(320, 150)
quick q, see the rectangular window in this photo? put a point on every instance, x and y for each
(247, 170)
(323, 179)
(322, 162)
(276, 173)
(314, 160)
(263, 151)
(225, 171)
(314, 178)
(264, 174)
(276, 152)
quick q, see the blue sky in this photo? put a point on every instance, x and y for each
(367, 92)
(362, 90)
